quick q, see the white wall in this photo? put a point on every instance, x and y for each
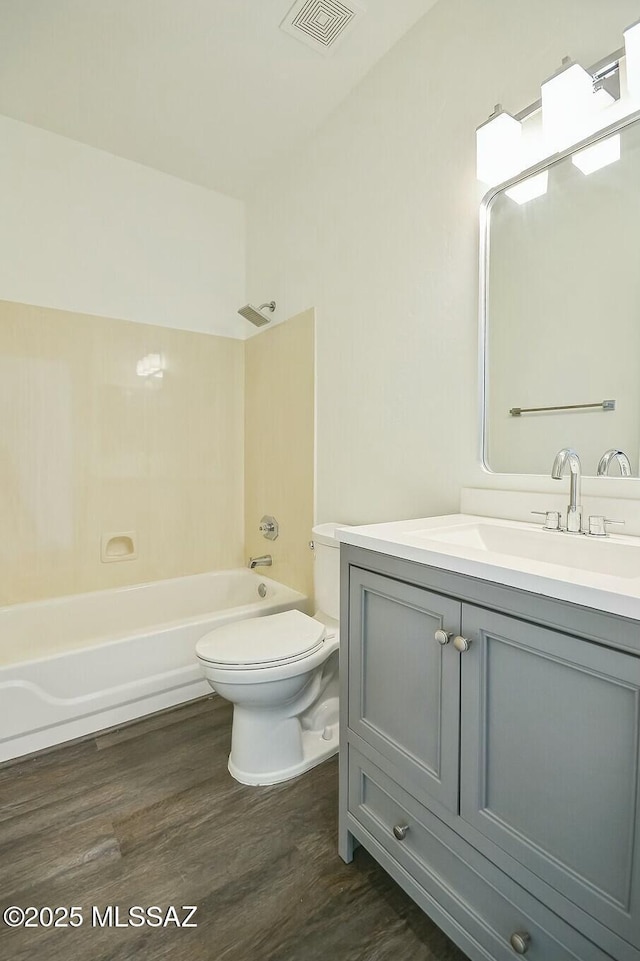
(375, 223)
(86, 231)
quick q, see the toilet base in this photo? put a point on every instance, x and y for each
(316, 750)
(303, 742)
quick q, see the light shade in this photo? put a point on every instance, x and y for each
(599, 155)
(567, 105)
(530, 188)
(632, 53)
(499, 149)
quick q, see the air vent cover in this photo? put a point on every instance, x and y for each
(321, 24)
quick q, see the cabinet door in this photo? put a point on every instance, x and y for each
(404, 686)
(549, 760)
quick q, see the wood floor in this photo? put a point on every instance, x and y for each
(149, 815)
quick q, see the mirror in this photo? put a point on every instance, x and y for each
(561, 310)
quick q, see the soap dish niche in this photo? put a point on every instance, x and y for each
(118, 546)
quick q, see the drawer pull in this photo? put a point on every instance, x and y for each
(400, 831)
(443, 637)
(461, 644)
(520, 941)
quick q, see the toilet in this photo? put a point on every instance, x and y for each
(280, 672)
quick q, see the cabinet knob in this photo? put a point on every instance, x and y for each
(443, 637)
(400, 831)
(461, 644)
(520, 941)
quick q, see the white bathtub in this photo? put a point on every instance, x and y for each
(74, 665)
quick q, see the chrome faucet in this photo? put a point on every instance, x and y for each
(574, 511)
(265, 560)
(610, 455)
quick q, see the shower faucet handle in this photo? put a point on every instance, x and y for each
(269, 527)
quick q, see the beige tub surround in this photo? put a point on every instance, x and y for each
(111, 426)
(279, 447)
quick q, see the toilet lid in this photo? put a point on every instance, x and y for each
(262, 640)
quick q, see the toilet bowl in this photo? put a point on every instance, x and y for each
(280, 672)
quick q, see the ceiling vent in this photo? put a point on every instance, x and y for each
(321, 24)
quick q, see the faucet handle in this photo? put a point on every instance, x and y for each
(598, 525)
(269, 527)
(551, 520)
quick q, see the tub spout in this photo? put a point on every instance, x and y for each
(265, 560)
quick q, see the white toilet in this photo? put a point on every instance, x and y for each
(280, 672)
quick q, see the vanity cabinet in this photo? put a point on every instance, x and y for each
(392, 665)
(497, 784)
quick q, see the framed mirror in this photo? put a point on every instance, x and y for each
(560, 308)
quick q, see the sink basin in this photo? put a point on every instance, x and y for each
(619, 557)
(597, 572)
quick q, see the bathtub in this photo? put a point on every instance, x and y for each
(75, 665)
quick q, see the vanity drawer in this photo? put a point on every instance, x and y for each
(490, 907)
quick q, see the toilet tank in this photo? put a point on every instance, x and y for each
(326, 569)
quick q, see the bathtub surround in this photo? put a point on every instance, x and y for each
(128, 438)
(279, 446)
(91, 446)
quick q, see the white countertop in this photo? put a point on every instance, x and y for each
(614, 586)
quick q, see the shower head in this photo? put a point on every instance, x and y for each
(249, 312)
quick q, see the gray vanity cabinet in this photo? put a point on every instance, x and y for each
(498, 785)
(549, 760)
(404, 686)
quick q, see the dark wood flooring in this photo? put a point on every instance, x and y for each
(149, 815)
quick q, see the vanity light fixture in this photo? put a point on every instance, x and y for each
(575, 104)
(632, 54)
(530, 188)
(499, 147)
(599, 155)
(567, 104)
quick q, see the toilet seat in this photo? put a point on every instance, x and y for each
(262, 642)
